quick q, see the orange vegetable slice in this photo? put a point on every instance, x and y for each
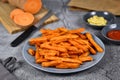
(24, 19)
(15, 12)
(32, 6)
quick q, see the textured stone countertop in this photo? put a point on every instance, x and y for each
(107, 69)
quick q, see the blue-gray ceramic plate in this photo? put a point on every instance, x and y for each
(30, 60)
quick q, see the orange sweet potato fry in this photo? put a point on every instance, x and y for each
(64, 37)
(77, 30)
(34, 41)
(63, 59)
(41, 59)
(50, 63)
(78, 45)
(37, 55)
(92, 50)
(31, 51)
(85, 54)
(67, 65)
(46, 46)
(48, 52)
(82, 36)
(64, 55)
(74, 56)
(98, 48)
(81, 41)
(85, 58)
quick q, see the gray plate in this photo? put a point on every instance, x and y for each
(30, 59)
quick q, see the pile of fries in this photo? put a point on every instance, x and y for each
(63, 48)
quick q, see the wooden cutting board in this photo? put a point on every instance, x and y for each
(10, 26)
(112, 6)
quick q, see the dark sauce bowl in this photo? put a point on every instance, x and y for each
(108, 28)
(106, 15)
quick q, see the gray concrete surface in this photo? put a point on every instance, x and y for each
(107, 69)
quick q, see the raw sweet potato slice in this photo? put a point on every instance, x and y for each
(24, 19)
(33, 6)
(15, 12)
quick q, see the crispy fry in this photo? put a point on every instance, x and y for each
(53, 47)
(81, 41)
(77, 30)
(59, 31)
(78, 45)
(31, 51)
(41, 59)
(34, 41)
(63, 29)
(84, 54)
(48, 52)
(64, 55)
(74, 52)
(50, 63)
(72, 48)
(37, 55)
(85, 58)
(65, 65)
(63, 59)
(65, 43)
(82, 36)
(64, 37)
(74, 56)
(92, 50)
(98, 48)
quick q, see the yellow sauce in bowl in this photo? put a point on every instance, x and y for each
(97, 20)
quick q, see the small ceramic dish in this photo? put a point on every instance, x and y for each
(112, 33)
(108, 17)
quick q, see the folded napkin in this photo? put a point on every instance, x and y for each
(7, 67)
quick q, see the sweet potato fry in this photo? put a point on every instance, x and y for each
(41, 59)
(98, 48)
(85, 58)
(63, 29)
(81, 41)
(63, 59)
(71, 48)
(31, 51)
(61, 49)
(77, 30)
(78, 45)
(50, 63)
(64, 37)
(92, 50)
(74, 52)
(37, 55)
(34, 41)
(65, 65)
(85, 54)
(48, 52)
(64, 55)
(82, 36)
(74, 56)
